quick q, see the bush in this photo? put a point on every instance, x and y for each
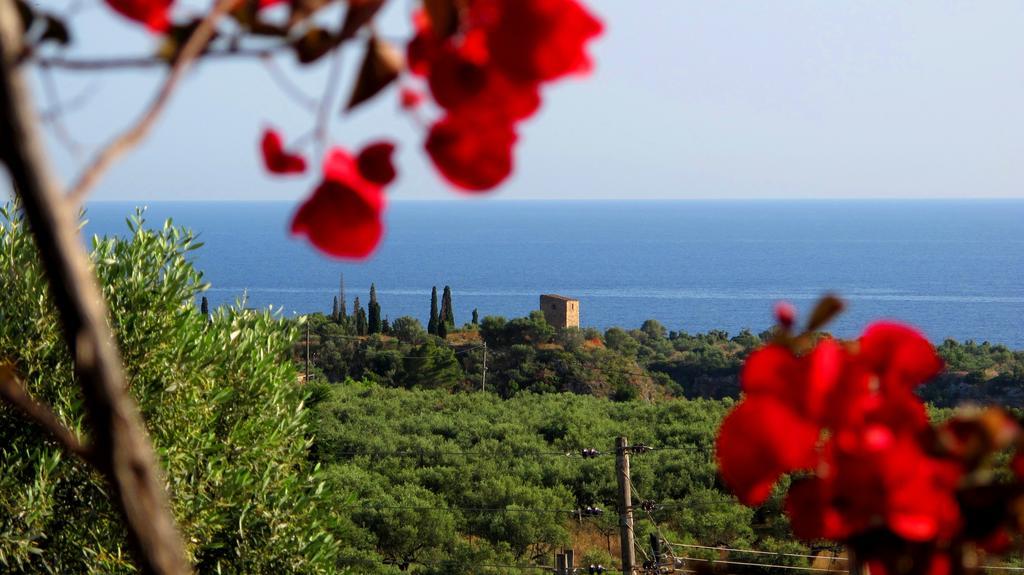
(220, 400)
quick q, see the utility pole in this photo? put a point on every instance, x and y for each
(307, 351)
(625, 506)
(483, 382)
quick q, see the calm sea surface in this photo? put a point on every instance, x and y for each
(953, 268)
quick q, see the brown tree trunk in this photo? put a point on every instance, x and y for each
(122, 449)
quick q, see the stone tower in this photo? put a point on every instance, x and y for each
(560, 311)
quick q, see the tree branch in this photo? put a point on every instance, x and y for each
(13, 392)
(134, 135)
(146, 61)
(122, 451)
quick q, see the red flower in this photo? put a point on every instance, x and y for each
(541, 40)
(775, 429)
(153, 14)
(276, 159)
(487, 77)
(343, 217)
(374, 163)
(473, 151)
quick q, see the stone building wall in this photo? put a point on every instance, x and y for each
(560, 311)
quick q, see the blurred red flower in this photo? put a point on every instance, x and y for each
(343, 217)
(488, 76)
(153, 14)
(276, 159)
(848, 414)
(474, 152)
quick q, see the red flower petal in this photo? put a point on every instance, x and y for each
(473, 151)
(276, 159)
(410, 98)
(153, 14)
(540, 40)
(375, 165)
(898, 354)
(810, 511)
(458, 82)
(343, 217)
(759, 440)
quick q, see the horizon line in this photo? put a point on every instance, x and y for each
(495, 199)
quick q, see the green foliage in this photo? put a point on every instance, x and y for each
(220, 402)
(478, 468)
(409, 330)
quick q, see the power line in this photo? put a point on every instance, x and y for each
(580, 513)
(764, 565)
(754, 551)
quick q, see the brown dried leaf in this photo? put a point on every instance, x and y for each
(827, 309)
(357, 15)
(444, 16)
(25, 14)
(55, 30)
(302, 9)
(381, 66)
(313, 45)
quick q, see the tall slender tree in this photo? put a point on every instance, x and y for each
(385, 326)
(432, 324)
(334, 310)
(374, 309)
(476, 317)
(447, 312)
(342, 312)
(442, 329)
(204, 307)
(360, 316)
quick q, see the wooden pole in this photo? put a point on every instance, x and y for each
(625, 506)
(560, 564)
(483, 382)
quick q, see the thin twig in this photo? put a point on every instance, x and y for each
(55, 107)
(322, 129)
(288, 87)
(72, 104)
(145, 61)
(14, 393)
(135, 134)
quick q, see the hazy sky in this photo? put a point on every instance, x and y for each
(690, 99)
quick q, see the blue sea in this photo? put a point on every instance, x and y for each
(952, 268)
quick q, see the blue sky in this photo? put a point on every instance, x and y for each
(689, 99)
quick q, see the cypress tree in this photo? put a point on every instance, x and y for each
(342, 313)
(432, 324)
(334, 310)
(442, 330)
(447, 313)
(374, 307)
(360, 316)
(385, 326)
(476, 317)
(204, 307)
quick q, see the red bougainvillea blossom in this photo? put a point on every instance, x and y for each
(487, 77)
(343, 217)
(276, 159)
(153, 14)
(848, 414)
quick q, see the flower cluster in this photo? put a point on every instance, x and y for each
(484, 62)
(872, 467)
(869, 468)
(487, 74)
(344, 215)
